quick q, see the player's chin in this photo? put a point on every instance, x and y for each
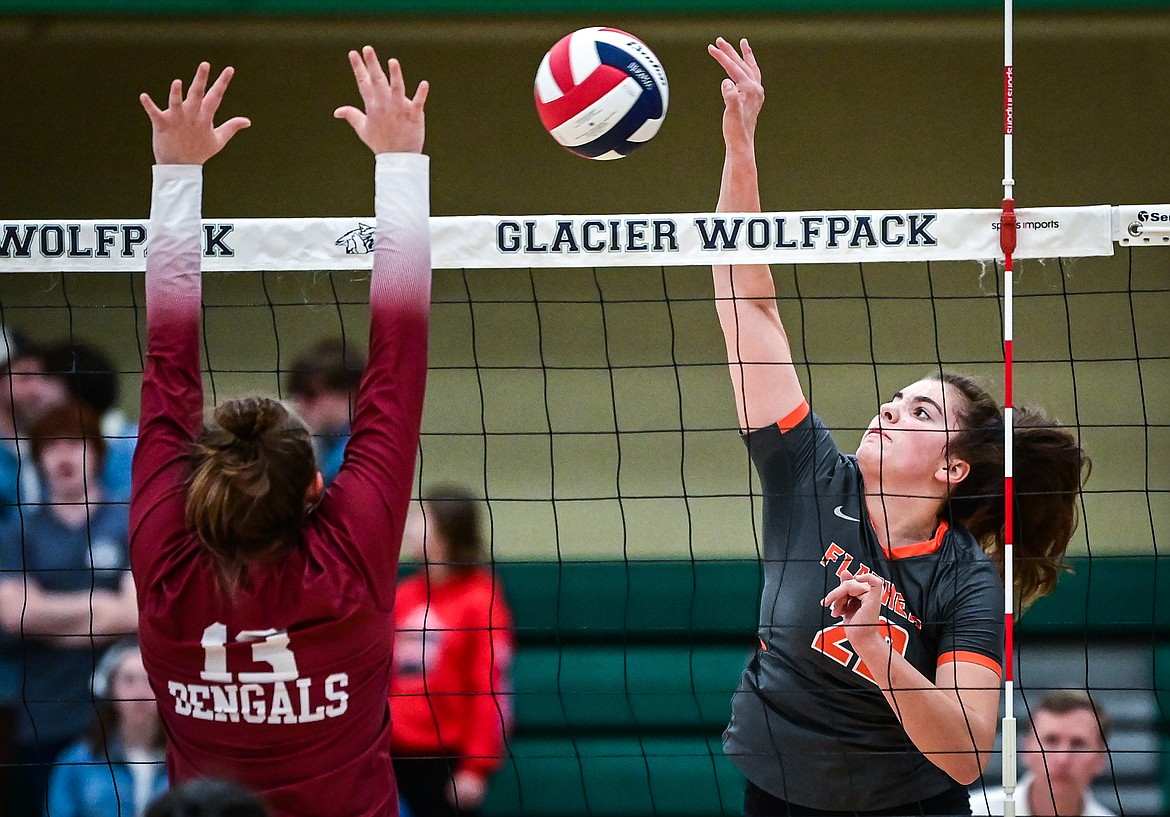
(869, 452)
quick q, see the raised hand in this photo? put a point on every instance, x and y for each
(743, 91)
(392, 122)
(185, 133)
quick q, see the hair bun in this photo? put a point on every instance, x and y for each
(248, 419)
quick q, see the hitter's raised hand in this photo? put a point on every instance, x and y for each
(743, 90)
(392, 122)
(185, 133)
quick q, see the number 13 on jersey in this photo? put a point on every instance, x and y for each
(277, 695)
(268, 647)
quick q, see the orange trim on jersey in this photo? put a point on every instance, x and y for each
(918, 548)
(790, 420)
(967, 657)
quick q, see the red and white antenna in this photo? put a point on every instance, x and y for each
(1007, 243)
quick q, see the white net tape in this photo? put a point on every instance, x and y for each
(671, 239)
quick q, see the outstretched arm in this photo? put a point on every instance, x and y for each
(184, 137)
(375, 480)
(762, 373)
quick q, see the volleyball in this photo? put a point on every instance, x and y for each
(601, 93)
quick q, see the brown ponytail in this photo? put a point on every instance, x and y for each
(1049, 469)
(251, 469)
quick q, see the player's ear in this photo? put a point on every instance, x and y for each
(953, 470)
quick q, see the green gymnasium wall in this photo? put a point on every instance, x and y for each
(881, 112)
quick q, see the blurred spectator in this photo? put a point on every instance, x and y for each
(90, 377)
(65, 591)
(119, 766)
(450, 691)
(208, 797)
(25, 393)
(1063, 750)
(322, 384)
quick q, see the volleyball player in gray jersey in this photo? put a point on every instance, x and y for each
(875, 689)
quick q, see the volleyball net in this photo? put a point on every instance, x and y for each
(579, 385)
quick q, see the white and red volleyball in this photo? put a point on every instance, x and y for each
(601, 93)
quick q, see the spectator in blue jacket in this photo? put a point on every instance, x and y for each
(65, 594)
(118, 768)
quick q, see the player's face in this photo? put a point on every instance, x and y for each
(70, 468)
(908, 437)
(32, 391)
(434, 547)
(131, 690)
(412, 535)
(307, 409)
(421, 541)
(1073, 752)
(322, 411)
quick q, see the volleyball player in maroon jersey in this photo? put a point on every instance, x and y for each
(875, 689)
(266, 603)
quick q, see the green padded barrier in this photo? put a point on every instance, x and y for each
(663, 599)
(1107, 595)
(719, 599)
(632, 689)
(602, 777)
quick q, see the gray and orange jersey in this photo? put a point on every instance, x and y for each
(809, 725)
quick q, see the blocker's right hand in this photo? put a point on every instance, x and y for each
(392, 122)
(743, 90)
(185, 133)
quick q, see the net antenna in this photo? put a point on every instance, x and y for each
(1007, 241)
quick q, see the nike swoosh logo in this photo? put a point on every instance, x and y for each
(838, 511)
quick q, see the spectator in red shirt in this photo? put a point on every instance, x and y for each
(265, 603)
(450, 692)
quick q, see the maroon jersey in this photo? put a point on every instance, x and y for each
(282, 687)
